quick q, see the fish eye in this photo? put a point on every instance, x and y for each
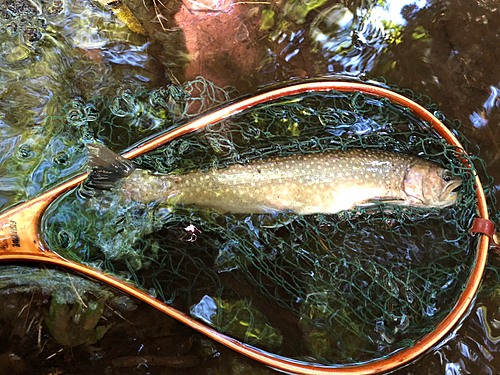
(447, 176)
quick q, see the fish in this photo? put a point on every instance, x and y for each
(326, 182)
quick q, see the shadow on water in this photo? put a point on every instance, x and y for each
(64, 61)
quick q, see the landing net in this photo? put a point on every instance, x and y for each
(330, 289)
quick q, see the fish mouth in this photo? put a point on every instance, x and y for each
(451, 191)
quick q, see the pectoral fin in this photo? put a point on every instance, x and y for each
(372, 202)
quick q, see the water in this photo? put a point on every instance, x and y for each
(447, 50)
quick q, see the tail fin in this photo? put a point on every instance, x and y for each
(105, 167)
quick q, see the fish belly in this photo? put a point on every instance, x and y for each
(315, 183)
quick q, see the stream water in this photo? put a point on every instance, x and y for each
(56, 55)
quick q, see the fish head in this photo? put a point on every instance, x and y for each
(428, 184)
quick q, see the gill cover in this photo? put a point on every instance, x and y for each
(428, 184)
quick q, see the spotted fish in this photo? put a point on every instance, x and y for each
(305, 184)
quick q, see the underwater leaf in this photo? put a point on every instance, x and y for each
(76, 325)
(124, 14)
(297, 10)
(267, 19)
(420, 33)
(239, 319)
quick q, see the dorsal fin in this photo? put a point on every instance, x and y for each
(106, 167)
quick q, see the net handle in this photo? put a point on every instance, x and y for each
(21, 239)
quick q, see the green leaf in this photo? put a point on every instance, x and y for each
(267, 19)
(297, 10)
(74, 325)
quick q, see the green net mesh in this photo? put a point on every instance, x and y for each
(132, 116)
(331, 289)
